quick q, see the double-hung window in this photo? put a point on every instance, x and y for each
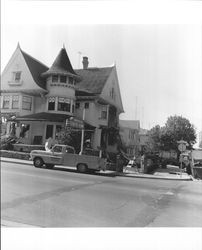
(6, 102)
(104, 112)
(63, 79)
(16, 76)
(51, 103)
(54, 78)
(15, 102)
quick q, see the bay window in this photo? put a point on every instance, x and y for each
(51, 103)
(6, 102)
(15, 102)
(64, 104)
(26, 103)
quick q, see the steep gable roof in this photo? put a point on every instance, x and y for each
(132, 124)
(61, 65)
(93, 79)
(36, 68)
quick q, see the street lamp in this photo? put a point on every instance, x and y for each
(82, 131)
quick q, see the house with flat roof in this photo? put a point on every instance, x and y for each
(37, 101)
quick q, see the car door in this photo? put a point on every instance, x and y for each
(69, 157)
(56, 156)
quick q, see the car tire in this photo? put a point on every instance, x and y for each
(82, 168)
(49, 166)
(38, 162)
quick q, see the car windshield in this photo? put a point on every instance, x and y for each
(57, 149)
(69, 150)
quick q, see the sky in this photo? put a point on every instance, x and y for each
(158, 60)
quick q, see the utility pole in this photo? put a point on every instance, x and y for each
(136, 108)
(82, 132)
(142, 117)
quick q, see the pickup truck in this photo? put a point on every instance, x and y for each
(66, 156)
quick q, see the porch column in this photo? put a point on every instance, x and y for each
(96, 138)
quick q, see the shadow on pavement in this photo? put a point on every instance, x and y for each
(90, 172)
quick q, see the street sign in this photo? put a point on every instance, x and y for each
(182, 147)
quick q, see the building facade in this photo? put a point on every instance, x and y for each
(37, 101)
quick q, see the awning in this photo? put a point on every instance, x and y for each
(53, 117)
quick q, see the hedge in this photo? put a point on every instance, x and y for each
(14, 154)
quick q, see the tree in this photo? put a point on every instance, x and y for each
(175, 129)
(70, 137)
(154, 139)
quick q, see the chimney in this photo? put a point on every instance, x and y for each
(85, 62)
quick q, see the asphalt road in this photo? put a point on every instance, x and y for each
(65, 198)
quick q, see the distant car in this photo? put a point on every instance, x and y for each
(65, 155)
(131, 163)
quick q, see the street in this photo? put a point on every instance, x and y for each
(65, 198)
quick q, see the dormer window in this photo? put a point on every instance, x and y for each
(63, 79)
(16, 76)
(54, 78)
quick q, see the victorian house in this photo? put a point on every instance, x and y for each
(37, 101)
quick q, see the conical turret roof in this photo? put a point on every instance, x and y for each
(61, 65)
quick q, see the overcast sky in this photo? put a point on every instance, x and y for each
(158, 65)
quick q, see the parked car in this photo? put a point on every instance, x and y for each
(66, 156)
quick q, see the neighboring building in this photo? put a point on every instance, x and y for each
(129, 132)
(39, 100)
(144, 139)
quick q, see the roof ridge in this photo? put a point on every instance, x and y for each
(105, 67)
(61, 64)
(23, 52)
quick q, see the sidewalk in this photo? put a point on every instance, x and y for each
(158, 175)
(126, 173)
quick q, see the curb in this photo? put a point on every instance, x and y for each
(6, 223)
(114, 174)
(154, 177)
(16, 162)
